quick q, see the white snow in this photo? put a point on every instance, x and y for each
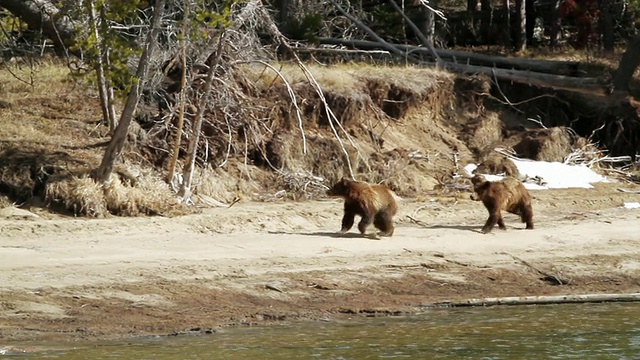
(631, 205)
(554, 175)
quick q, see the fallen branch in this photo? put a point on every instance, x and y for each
(548, 277)
(539, 300)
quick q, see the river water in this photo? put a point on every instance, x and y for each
(570, 331)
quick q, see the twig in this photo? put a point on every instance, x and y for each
(292, 94)
(414, 220)
(553, 279)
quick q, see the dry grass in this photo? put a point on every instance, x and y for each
(52, 136)
(81, 195)
(348, 78)
(77, 194)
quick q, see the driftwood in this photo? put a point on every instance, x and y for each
(463, 57)
(539, 300)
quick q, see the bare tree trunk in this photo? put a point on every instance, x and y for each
(183, 93)
(43, 15)
(283, 16)
(472, 6)
(103, 83)
(111, 108)
(486, 18)
(521, 28)
(628, 65)
(506, 40)
(606, 26)
(530, 20)
(120, 134)
(554, 33)
(427, 24)
(428, 44)
(187, 175)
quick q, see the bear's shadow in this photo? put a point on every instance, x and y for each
(350, 235)
(474, 228)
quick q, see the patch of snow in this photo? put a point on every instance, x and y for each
(554, 175)
(631, 205)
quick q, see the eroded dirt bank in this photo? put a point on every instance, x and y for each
(256, 263)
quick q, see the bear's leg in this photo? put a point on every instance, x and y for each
(494, 217)
(527, 216)
(383, 221)
(364, 223)
(347, 221)
(501, 223)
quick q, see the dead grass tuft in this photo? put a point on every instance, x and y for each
(147, 196)
(124, 195)
(552, 144)
(79, 195)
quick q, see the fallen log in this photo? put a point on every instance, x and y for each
(540, 79)
(539, 300)
(463, 57)
(534, 78)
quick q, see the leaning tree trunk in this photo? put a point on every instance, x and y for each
(187, 175)
(120, 134)
(521, 27)
(628, 65)
(43, 15)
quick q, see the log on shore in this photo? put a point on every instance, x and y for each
(540, 300)
(462, 57)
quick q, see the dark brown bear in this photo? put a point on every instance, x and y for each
(507, 194)
(373, 203)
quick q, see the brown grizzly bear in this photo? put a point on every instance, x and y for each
(373, 203)
(507, 194)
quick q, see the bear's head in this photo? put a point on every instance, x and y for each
(340, 188)
(479, 185)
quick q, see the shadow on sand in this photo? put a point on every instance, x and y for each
(332, 234)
